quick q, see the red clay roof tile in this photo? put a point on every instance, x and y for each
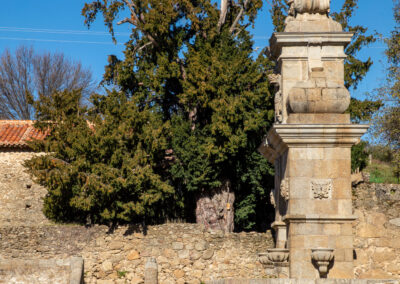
(15, 133)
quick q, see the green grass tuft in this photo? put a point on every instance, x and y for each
(381, 172)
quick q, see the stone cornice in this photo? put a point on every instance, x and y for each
(279, 40)
(282, 136)
(318, 218)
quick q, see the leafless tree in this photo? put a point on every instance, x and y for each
(28, 73)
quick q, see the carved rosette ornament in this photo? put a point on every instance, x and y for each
(284, 189)
(321, 189)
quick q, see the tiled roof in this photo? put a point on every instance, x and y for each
(15, 133)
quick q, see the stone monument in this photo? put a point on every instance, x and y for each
(310, 144)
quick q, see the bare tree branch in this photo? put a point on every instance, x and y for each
(126, 20)
(223, 12)
(137, 20)
(239, 16)
(27, 74)
(241, 29)
(144, 45)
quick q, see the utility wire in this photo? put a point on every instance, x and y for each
(60, 40)
(56, 31)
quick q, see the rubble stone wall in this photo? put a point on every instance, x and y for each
(377, 231)
(184, 252)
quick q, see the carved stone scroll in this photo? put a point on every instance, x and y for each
(284, 189)
(275, 79)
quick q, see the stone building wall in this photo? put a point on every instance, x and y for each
(184, 252)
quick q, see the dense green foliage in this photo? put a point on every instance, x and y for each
(106, 171)
(191, 109)
(359, 157)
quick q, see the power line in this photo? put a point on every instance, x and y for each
(60, 40)
(57, 31)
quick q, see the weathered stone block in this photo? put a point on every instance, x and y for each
(344, 207)
(365, 230)
(299, 187)
(375, 274)
(337, 153)
(332, 229)
(346, 229)
(297, 241)
(341, 188)
(344, 242)
(383, 254)
(301, 168)
(342, 270)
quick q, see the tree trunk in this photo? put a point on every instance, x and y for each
(214, 208)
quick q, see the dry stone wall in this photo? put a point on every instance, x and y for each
(184, 252)
(377, 231)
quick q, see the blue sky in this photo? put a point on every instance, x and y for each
(57, 26)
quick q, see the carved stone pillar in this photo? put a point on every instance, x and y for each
(311, 145)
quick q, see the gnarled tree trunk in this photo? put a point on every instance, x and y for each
(214, 208)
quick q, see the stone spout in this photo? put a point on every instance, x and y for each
(275, 255)
(322, 257)
(278, 255)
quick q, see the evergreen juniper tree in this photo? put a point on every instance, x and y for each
(189, 110)
(101, 164)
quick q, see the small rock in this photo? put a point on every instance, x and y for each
(116, 245)
(395, 222)
(169, 253)
(179, 273)
(198, 265)
(183, 253)
(133, 255)
(201, 245)
(195, 255)
(107, 265)
(136, 280)
(177, 245)
(198, 274)
(208, 254)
